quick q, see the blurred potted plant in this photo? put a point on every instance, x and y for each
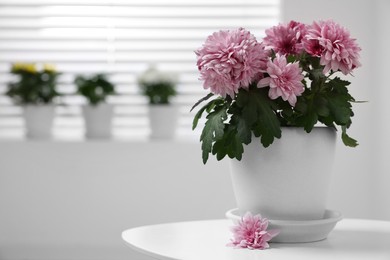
(35, 90)
(159, 87)
(97, 113)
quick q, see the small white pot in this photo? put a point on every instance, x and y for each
(38, 120)
(163, 121)
(290, 179)
(98, 120)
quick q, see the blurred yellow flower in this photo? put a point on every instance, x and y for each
(28, 67)
(49, 67)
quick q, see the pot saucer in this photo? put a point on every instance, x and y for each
(298, 231)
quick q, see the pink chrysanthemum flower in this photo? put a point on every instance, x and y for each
(285, 80)
(251, 232)
(285, 38)
(332, 42)
(230, 60)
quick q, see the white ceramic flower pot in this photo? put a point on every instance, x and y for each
(98, 120)
(38, 121)
(163, 121)
(290, 179)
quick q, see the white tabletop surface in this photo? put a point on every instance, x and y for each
(352, 239)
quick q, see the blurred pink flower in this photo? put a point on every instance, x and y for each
(285, 38)
(251, 232)
(230, 60)
(285, 80)
(332, 42)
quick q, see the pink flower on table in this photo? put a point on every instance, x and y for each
(230, 60)
(251, 232)
(285, 80)
(285, 38)
(332, 42)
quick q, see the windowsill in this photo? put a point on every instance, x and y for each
(113, 139)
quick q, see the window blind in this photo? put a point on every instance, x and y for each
(120, 38)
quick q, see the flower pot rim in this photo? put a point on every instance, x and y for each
(315, 128)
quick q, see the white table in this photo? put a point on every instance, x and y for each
(352, 239)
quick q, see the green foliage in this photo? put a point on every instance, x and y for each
(231, 122)
(213, 129)
(33, 86)
(158, 86)
(159, 92)
(258, 115)
(328, 103)
(95, 88)
(348, 141)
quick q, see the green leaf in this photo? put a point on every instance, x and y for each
(347, 140)
(213, 130)
(340, 109)
(208, 107)
(238, 149)
(301, 106)
(321, 107)
(291, 58)
(243, 130)
(258, 114)
(339, 85)
(310, 120)
(230, 145)
(201, 100)
(307, 115)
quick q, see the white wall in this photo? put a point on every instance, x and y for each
(72, 200)
(380, 86)
(361, 185)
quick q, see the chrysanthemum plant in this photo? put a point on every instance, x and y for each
(95, 88)
(159, 87)
(35, 84)
(288, 79)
